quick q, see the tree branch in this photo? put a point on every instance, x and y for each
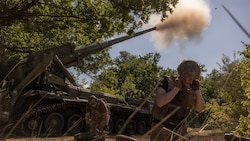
(10, 15)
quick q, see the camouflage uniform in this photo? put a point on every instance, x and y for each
(97, 120)
(99, 117)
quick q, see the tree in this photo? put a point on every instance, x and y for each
(225, 94)
(209, 84)
(244, 123)
(30, 25)
(130, 74)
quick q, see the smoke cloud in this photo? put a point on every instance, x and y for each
(184, 25)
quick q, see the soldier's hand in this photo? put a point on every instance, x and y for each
(179, 82)
(87, 120)
(195, 85)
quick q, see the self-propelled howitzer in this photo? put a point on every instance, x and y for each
(36, 100)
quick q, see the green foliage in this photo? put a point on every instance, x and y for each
(92, 64)
(130, 75)
(209, 84)
(106, 82)
(224, 93)
(219, 116)
(244, 121)
(29, 25)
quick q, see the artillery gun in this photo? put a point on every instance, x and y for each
(36, 100)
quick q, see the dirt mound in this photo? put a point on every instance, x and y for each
(206, 135)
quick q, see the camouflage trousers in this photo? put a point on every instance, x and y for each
(98, 126)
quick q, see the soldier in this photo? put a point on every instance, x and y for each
(182, 92)
(97, 115)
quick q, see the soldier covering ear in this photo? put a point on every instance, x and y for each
(180, 92)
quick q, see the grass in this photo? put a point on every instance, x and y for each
(42, 139)
(196, 135)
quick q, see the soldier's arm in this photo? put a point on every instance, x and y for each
(163, 94)
(105, 112)
(200, 103)
(87, 114)
(87, 117)
(162, 97)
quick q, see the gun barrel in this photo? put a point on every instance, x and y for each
(93, 48)
(236, 21)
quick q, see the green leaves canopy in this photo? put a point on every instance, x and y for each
(225, 93)
(29, 25)
(130, 74)
(244, 122)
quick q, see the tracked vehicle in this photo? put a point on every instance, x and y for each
(35, 99)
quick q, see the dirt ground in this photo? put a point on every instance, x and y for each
(195, 135)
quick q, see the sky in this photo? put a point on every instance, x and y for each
(218, 36)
